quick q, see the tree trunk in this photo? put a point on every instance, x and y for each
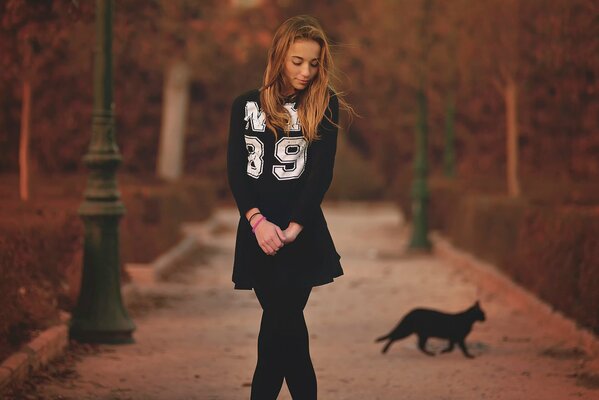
(172, 135)
(24, 141)
(511, 106)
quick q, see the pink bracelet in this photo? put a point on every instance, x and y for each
(258, 223)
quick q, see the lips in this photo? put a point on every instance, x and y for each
(303, 82)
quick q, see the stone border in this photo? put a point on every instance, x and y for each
(52, 342)
(166, 262)
(49, 345)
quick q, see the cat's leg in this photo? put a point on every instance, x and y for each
(386, 348)
(422, 345)
(464, 348)
(449, 347)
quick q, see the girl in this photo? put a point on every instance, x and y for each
(281, 151)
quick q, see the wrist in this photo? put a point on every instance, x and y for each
(258, 222)
(251, 212)
(254, 217)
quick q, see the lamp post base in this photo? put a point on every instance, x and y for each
(102, 337)
(420, 196)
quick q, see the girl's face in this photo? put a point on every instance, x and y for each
(301, 64)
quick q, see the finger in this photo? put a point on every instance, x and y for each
(274, 246)
(267, 248)
(276, 242)
(286, 236)
(268, 251)
(281, 234)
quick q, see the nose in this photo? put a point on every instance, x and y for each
(305, 70)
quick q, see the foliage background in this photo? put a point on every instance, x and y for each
(549, 46)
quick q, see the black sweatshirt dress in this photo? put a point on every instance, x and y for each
(287, 180)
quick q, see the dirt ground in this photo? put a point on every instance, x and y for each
(196, 336)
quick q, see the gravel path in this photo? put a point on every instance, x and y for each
(196, 337)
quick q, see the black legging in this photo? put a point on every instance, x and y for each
(283, 348)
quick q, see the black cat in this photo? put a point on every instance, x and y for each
(431, 323)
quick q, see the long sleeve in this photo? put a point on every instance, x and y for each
(322, 153)
(239, 181)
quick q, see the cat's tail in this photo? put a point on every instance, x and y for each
(387, 346)
(388, 336)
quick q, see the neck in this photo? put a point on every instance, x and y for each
(286, 88)
(288, 92)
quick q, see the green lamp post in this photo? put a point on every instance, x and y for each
(449, 150)
(450, 108)
(99, 315)
(420, 192)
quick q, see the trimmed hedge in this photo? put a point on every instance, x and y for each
(354, 177)
(152, 223)
(40, 250)
(41, 242)
(559, 250)
(552, 250)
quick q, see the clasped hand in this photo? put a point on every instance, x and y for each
(271, 238)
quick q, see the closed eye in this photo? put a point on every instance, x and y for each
(312, 64)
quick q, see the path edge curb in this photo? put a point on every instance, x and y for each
(167, 262)
(43, 349)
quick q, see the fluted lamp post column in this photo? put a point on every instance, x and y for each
(99, 316)
(420, 192)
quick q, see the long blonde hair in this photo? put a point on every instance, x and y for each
(312, 102)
